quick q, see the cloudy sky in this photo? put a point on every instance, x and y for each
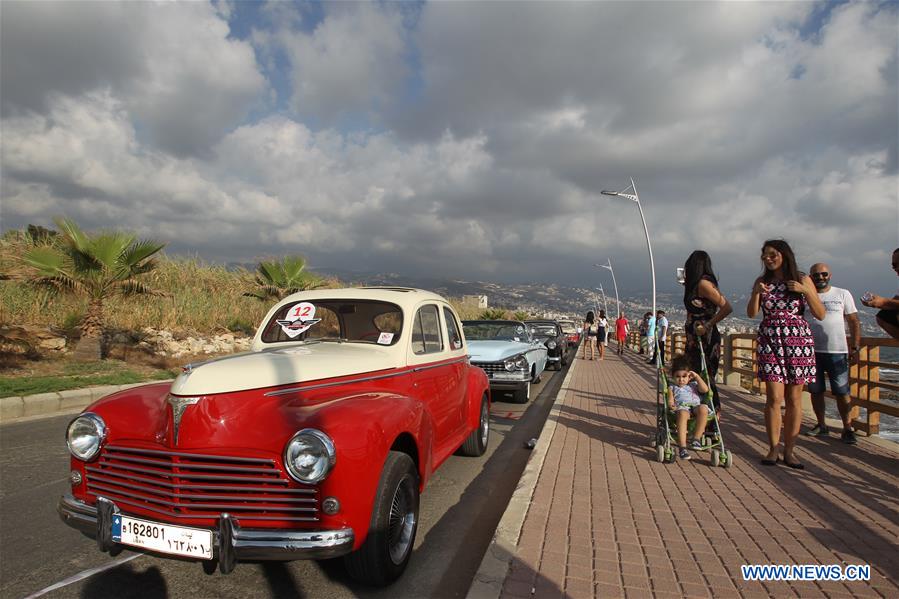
(460, 139)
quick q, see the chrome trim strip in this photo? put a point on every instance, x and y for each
(199, 456)
(326, 385)
(187, 475)
(105, 475)
(122, 488)
(431, 366)
(182, 465)
(208, 515)
(363, 379)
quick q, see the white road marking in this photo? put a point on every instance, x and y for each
(82, 575)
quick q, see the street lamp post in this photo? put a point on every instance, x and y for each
(612, 270)
(634, 197)
(605, 306)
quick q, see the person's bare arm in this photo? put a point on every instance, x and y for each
(754, 304)
(883, 303)
(711, 293)
(807, 288)
(855, 336)
(700, 383)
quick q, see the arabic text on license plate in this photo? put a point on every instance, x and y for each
(165, 538)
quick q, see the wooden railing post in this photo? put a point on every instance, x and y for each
(730, 377)
(873, 415)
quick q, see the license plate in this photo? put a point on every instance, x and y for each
(165, 538)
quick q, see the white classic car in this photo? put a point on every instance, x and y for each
(508, 353)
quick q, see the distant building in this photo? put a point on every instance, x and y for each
(475, 301)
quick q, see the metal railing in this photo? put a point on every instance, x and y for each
(738, 368)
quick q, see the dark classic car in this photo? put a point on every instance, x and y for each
(315, 444)
(550, 334)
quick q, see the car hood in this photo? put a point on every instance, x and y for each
(282, 366)
(494, 351)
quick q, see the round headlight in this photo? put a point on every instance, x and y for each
(522, 363)
(551, 345)
(309, 456)
(85, 435)
(509, 364)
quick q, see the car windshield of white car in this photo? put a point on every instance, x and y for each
(494, 331)
(341, 320)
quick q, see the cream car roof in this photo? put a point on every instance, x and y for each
(407, 298)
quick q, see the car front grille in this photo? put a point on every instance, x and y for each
(194, 485)
(490, 367)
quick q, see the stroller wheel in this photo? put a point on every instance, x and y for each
(730, 459)
(716, 457)
(660, 453)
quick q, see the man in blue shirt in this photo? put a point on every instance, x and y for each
(651, 337)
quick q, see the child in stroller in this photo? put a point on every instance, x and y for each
(685, 400)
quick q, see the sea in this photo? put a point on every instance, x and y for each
(889, 425)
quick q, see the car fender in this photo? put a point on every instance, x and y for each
(364, 428)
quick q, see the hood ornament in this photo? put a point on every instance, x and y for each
(179, 404)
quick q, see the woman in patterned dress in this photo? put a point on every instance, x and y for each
(786, 350)
(706, 307)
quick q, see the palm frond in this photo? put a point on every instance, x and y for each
(139, 251)
(133, 287)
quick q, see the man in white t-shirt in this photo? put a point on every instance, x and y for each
(832, 356)
(662, 331)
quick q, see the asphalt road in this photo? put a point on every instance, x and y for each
(460, 508)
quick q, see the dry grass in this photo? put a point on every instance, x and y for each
(199, 297)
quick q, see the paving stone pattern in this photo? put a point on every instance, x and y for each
(607, 520)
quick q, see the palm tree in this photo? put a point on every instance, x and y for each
(98, 267)
(493, 314)
(520, 316)
(275, 280)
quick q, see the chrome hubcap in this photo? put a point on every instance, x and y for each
(485, 423)
(401, 522)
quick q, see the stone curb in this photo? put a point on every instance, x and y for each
(488, 580)
(13, 409)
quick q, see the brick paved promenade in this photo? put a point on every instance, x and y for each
(607, 520)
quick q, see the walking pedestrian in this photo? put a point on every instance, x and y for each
(832, 355)
(662, 329)
(786, 349)
(888, 317)
(589, 328)
(706, 307)
(651, 338)
(644, 329)
(602, 329)
(621, 331)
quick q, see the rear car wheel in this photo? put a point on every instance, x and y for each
(476, 443)
(394, 520)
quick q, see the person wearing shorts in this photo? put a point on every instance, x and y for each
(832, 355)
(685, 400)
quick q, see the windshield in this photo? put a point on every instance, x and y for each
(494, 331)
(355, 321)
(544, 330)
(567, 326)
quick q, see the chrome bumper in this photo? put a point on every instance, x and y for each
(231, 541)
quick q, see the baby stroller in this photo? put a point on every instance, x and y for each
(663, 440)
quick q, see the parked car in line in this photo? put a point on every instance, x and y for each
(550, 333)
(571, 331)
(505, 350)
(314, 444)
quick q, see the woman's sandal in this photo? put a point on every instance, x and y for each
(795, 465)
(767, 462)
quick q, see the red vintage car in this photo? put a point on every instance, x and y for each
(313, 445)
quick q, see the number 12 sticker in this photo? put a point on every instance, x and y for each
(298, 319)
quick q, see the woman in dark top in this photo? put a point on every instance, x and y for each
(706, 307)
